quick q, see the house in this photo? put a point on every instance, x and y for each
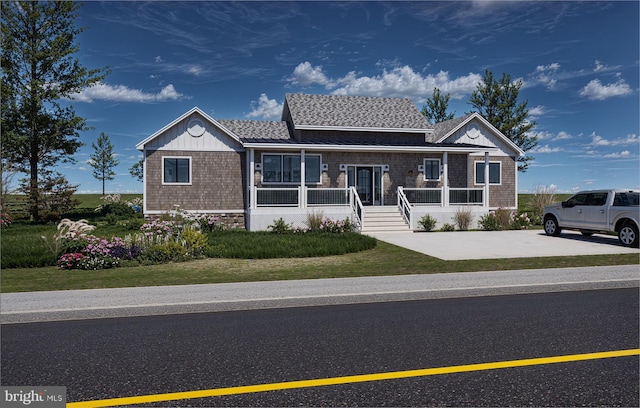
(346, 156)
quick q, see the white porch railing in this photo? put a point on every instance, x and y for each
(435, 196)
(299, 197)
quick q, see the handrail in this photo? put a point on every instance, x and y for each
(356, 206)
(405, 206)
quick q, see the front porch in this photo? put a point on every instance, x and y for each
(296, 203)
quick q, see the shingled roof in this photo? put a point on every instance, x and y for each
(442, 128)
(257, 130)
(350, 112)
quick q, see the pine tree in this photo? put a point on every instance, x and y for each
(103, 160)
(38, 70)
(497, 102)
(436, 108)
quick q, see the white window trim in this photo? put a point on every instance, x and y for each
(319, 182)
(424, 163)
(475, 174)
(164, 183)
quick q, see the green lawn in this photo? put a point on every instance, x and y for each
(384, 259)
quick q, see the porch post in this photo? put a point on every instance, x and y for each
(303, 193)
(251, 179)
(486, 179)
(445, 178)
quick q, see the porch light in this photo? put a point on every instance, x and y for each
(421, 168)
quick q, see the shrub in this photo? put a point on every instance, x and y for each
(194, 241)
(503, 219)
(117, 210)
(279, 226)
(169, 251)
(5, 220)
(427, 222)
(542, 196)
(314, 221)
(463, 218)
(210, 223)
(448, 228)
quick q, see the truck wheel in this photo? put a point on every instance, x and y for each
(628, 235)
(551, 226)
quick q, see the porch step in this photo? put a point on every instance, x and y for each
(383, 219)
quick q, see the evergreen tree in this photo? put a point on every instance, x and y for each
(137, 170)
(436, 108)
(103, 160)
(38, 70)
(497, 102)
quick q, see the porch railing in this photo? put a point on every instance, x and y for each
(299, 197)
(434, 196)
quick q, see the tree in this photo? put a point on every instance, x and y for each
(497, 102)
(38, 70)
(137, 170)
(436, 108)
(103, 160)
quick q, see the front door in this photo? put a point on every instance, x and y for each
(368, 183)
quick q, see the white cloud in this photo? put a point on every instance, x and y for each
(121, 93)
(537, 111)
(265, 108)
(305, 74)
(597, 140)
(545, 149)
(546, 75)
(619, 155)
(562, 135)
(400, 81)
(594, 90)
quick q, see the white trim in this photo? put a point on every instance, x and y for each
(475, 173)
(223, 212)
(164, 183)
(424, 163)
(368, 148)
(364, 129)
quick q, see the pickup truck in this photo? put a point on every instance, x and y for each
(608, 211)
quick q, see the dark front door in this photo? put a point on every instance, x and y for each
(364, 184)
(368, 183)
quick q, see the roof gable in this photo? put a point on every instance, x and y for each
(450, 131)
(355, 112)
(194, 130)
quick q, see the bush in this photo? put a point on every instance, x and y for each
(117, 210)
(427, 222)
(169, 251)
(210, 223)
(279, 226)
(542, 196)
(503, 219)
(448, 228)
(463, 218)
(194, 241)
(314, 221)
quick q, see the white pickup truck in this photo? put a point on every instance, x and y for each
(597, 211)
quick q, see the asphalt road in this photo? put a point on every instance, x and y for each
(118, 357)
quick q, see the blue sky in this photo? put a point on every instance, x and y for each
(578, 61)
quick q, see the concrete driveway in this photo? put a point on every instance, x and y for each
(460, 245)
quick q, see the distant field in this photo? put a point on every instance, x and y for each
(94, 200)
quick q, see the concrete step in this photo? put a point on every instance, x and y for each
(384, 219)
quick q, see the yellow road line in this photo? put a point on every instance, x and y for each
(217, 392)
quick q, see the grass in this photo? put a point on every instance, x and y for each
(384, 259)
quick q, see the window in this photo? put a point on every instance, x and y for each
(286, 168)
(626, 199)
(432, 169)
(176, 170)
(494, 172)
